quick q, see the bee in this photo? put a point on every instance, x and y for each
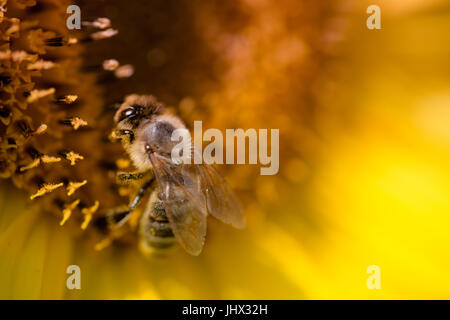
(184, 194)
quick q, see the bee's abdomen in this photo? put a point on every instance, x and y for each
(155, 228)
(160, 234)
(160, 229)
(157, 211)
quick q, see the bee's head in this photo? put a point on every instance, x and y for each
(135, 110)
(157, 135)
(154, 136)
(149, 129)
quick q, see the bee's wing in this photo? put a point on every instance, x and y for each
(221, 201)
(184, 202)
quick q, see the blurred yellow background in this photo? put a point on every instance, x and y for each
(384, 184)
(379, 194)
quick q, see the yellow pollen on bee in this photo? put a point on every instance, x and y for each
(73, 186)
(46, 189)
(73, 157)
(37, 94)
(88, 212)
(67, 212)
(124, 191)
(113, 136)
(134, 219)
(77, 123)
(122, 163)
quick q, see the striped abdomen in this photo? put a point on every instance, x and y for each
(155, 229)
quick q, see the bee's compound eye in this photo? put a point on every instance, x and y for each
(128, 113)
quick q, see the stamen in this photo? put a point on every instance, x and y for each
(67, 212)
(68, 99)
(71, 41)
(16, 56)
(73, 186)
(110, 64)
(78, 122)
(55, 42)
(60, 41)
(48, 159)
(73, 157)
(108, 33)
(42, 128)
(19, 56)
(38, 94)
(41, 65)
(46, 188)
(88, 212)
(32, 165)
(103, 244)
(99, 23)
(75, 122)
(38, 158)
(124, 71)
(15, 26)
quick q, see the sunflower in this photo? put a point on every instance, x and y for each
(363, 174)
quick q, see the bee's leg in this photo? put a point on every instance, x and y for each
(129, 176)
(141, 193)
(129, 133)
(117, 217)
